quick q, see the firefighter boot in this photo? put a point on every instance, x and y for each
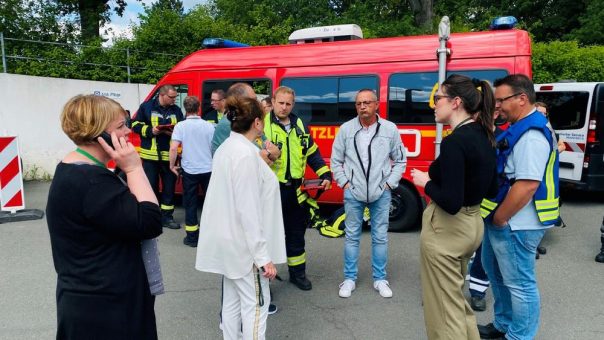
(191, 238)
(167, 220)
(600, 256)
(299, 279)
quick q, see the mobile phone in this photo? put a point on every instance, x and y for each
(312, 184)
(107, 138)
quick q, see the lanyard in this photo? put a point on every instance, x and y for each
(89, 156)
(462, 123)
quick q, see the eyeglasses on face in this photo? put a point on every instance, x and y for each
(365, 103)
(216, 100)
(501, 100)
(172, 97)
(439, 97)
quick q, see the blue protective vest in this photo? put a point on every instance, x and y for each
(547, 196)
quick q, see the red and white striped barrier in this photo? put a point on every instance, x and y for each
(11, 180)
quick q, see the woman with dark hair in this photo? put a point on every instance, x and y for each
(456, 182)
(102, 229)
(241, 235)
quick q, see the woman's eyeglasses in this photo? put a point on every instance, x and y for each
(439, 97)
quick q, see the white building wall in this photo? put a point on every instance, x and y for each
(30, 108)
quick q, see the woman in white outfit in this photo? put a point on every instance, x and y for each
(241, 228)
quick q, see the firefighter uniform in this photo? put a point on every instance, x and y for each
(297, 150)
(154, 152)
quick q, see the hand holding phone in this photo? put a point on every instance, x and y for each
(121, 151)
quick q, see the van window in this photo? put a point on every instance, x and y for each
(567, 110)
(182, 90)
(409, 94)
(328, 100)
(262, 87)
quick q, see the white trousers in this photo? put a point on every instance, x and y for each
(245, 307)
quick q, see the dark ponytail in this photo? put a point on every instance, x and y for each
(476, 97)
(485, 115)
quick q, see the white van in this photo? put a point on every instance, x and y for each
(576, 112)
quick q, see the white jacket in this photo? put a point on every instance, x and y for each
(241, 223)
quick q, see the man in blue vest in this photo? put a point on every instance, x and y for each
(527, 205)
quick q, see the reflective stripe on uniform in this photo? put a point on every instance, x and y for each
(322, 170)
(331, 231)
(487, 207)
(148, 154)
(550, 215)
(549, 176)
(191, 227)
(296, 260)
(167, 207)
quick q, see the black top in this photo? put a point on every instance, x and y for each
(464, 173)
(96, 226)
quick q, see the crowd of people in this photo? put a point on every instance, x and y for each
(493, 192)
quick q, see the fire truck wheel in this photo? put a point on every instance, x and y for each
(404, 209)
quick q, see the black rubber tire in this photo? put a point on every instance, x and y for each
(404, 209)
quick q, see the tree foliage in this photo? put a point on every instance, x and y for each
(561, 60)
(565, 32)
(92, 14)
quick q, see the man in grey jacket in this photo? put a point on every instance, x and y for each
(367, 161)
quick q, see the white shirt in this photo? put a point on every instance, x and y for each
(195, 135)
(363, 140)
(241, 223)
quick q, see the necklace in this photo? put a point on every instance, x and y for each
(463, 122)
(89, 156)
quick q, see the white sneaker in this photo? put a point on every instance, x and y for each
(383, 287)
(346, 288)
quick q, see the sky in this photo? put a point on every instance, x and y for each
(121, 25)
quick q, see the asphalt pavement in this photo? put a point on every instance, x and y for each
(571, 284)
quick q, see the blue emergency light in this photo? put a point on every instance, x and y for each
(221, 43)
(503, 23)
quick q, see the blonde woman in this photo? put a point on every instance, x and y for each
(96, 224)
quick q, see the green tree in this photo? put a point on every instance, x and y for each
(591, 28)
(560, 60)
(92, 14)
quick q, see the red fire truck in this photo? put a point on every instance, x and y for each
(326, 74)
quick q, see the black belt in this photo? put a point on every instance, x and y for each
(291, 183)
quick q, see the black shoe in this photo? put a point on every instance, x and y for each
(600, 257)
(300, 281)
(478, 303)
(272, 309)
(190, 241)
(542, 250)
(171, 224)
(490, 332)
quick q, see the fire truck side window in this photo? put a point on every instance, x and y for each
(262, 87)
(409, 94)
(328, 100)
(409, 97)
(182, 91)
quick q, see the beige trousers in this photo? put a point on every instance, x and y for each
(447, 243)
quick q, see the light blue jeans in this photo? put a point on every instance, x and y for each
(508, 258)
(379, 212)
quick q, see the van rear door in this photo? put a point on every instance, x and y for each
(571, 113)
(568, 108)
